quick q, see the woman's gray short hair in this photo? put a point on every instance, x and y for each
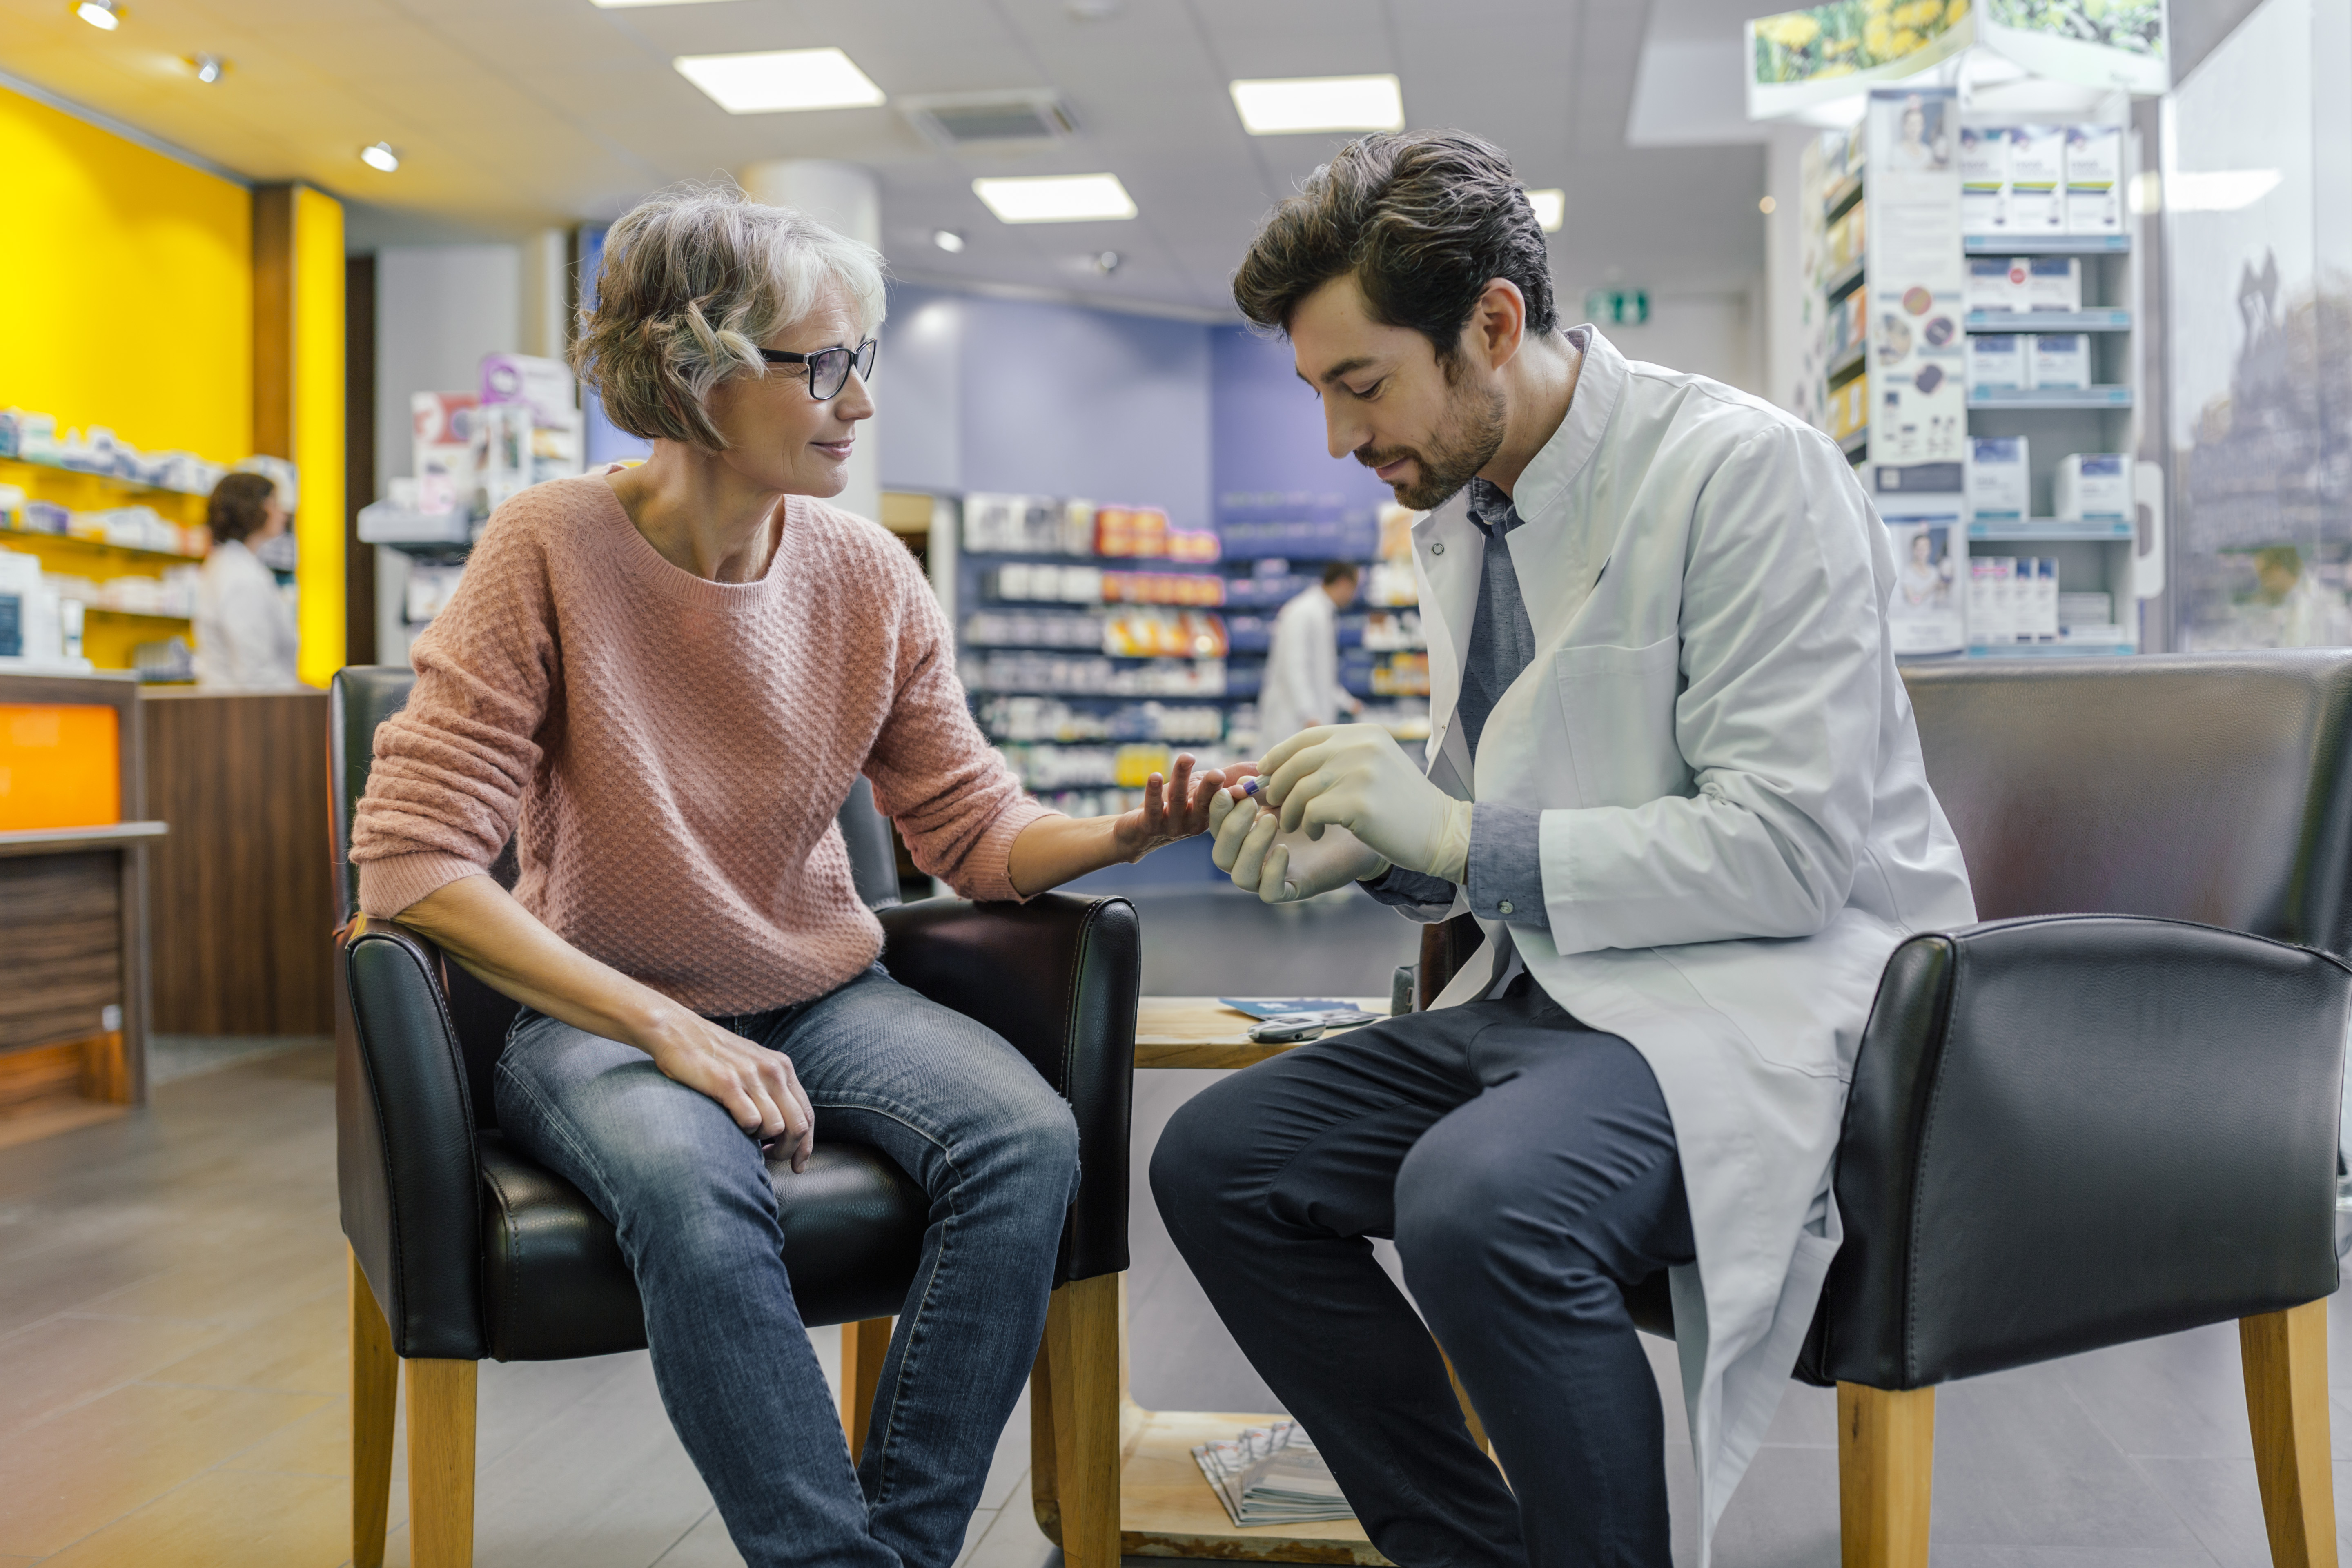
(694, 280)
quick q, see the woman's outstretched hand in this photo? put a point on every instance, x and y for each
(1173, 808)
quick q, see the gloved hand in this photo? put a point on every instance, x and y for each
(1357, 777)
(1280, 867)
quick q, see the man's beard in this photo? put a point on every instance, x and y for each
(1464, 442)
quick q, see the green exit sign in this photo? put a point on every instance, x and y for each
(1617, 307)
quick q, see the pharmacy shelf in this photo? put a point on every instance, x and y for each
(2050, 397)
(2045, 244)
(97, 544)
(1854, 443)
(2009, 322)
(1840, 196)
(1849, 360)
(133, 614)
(1839, 284)
(2050, 528)
(2055, 650)
(111, 482)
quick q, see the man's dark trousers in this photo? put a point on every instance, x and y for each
(1525, 1167)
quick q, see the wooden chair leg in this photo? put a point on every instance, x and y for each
(862, 1347)
(2285, 1356)
(441, 1463)
(1461, 1398)
(1887, 1467)
(375, 1383)
(1083, 1386)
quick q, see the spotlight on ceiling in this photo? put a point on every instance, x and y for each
(380, 157)
(949, 240)
(208, 67)
(780, 80)
(1551, 208)
(103, 14)
(1291, 106)
(1056, 198)
(1107, 262)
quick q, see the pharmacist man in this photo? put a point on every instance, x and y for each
(1675, 775)
(1302, 661)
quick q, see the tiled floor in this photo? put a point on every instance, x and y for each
(171, 1366)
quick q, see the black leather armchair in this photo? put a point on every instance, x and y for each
(462, 1247)
(2109, 1112)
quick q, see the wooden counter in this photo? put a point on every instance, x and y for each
(242, 890)
(73, 920)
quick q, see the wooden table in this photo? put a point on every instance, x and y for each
(1166, 1509)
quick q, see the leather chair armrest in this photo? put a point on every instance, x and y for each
(2078, 1131)
(405, 1151)
(1058, 977)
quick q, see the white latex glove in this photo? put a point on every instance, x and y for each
(1357, 777)
(1280, 867)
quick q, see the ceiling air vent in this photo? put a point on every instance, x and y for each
(967, 119)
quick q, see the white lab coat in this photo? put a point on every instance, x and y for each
(1302, 670)
(1737, 829)
(245, 636)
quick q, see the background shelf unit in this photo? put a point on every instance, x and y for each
(2046, 245)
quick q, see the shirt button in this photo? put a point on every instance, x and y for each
(1505, 905)
(1437, 549)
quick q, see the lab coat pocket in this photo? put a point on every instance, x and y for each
(1617, 707)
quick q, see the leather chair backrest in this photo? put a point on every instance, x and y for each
(2206, 787)
(364, 696)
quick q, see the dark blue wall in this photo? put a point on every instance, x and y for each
(1266, 426)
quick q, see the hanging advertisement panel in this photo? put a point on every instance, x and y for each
(2119, 44)
(1917, 281)
(1799, 58)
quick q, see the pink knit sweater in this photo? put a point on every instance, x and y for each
(669, 752)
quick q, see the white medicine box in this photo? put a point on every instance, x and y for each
(2052, 282)
(1984, 179)
(1999, 478)
(2093, 486)
(1998, 359)
(2058, 361)
(2037, 179)
(1996, 283)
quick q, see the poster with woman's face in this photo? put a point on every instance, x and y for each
(1926, 615)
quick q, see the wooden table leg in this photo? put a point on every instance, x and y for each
(2285, 1356)
(375, 1383)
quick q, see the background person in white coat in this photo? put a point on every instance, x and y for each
(245, 636)
(1675, 775)
(1302, 686)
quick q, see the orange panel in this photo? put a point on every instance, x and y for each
(61, 766)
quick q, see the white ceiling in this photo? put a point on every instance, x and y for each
(514, 114)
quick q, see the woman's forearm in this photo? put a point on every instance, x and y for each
(1053, 849)
(480, 925)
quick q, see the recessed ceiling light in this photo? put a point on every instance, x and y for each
(1551, 208)
(1320, 103)
(103, 14)
(1767, 205)
(1056, 198)
(949, 240)
(781, 80)
(208, 67)
(380, 156)
(1107, 262)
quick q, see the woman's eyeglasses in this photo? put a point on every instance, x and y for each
(828, 369)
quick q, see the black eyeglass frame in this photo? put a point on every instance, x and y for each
(863, 356)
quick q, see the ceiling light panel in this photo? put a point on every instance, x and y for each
(781, 80)
(1551, 208)
(1057, 198)
(1299, 105)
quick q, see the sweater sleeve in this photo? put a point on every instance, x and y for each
(451, 768)
(956, 803)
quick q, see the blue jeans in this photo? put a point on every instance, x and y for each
(1526, 1168)
(960, 1111)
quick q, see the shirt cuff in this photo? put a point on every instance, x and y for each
(1401, 889)
(1506, 864)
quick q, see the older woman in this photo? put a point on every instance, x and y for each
(662, 681)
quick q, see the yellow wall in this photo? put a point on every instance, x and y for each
(126, 289)
(319, 428)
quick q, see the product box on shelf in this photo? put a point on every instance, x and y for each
(441, 449)
(1984, 179)
(2091, 486)
(2037, 179)
(2000, 360)
(2060, 361)
(1041, 583)
(1849, 407)
(2095, 173)
(2052, 282)
(1123, 531)
(2085, 610)
(1028, 525)
(1996, 283)
(1999, 478)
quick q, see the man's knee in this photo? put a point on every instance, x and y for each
(1456, 1200)
(1203, 1143)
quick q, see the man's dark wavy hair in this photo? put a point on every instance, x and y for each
(1425, 219)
